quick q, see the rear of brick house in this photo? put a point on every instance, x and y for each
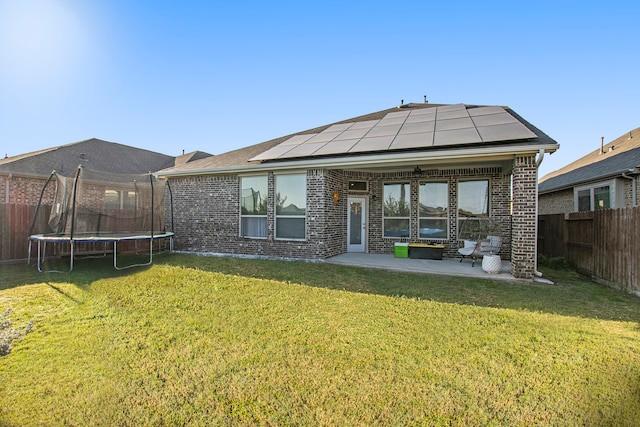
(412, 173)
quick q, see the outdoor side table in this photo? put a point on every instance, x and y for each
(492, 264)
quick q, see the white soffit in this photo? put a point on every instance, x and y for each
(447, 125)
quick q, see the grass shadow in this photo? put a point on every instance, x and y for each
(572, 295)
(85, 271)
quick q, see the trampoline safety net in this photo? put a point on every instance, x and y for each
(99, 203)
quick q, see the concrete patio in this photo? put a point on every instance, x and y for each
(447, 267)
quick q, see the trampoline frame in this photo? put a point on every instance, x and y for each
(43, 239)
(74, 237)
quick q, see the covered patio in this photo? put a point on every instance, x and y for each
(447, 266)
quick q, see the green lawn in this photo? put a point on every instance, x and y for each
(218, 341)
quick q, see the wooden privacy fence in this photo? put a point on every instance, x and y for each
(604, 244)
(15, 223)
(551, 235)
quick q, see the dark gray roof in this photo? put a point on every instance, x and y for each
(240, 157)
(92, 154)
(620, 155)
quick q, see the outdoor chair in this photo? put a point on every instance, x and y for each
(489, 246)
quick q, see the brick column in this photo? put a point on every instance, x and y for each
(523, 237)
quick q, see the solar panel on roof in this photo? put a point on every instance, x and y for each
(452, 107)
(398, 114)
(391, 121)
(456, 114)
(336, 147)
(275, 152)
(339, 127)
(383, 131)
(412, 140)
(419, 127)
(479, 111)
(493, 119)
(380, 143)
(416, 118)
(368, 124)
(298, 139)
(303, 150)
(446, 125)
(504, 132)
(322, 137)
(456, 137)
(461, 123)
(424, 112)
(352, 134)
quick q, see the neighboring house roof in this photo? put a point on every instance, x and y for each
(93, 154)
(450, 130)
(622, 155)
(191, 157)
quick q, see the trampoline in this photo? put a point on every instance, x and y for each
(93, 213)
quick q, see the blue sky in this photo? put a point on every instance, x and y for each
(215, 76)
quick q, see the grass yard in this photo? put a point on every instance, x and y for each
(219, 341)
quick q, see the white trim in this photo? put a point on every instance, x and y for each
(363, 224)
(241, 216)
(616, 195)
(396, 182)
(446, 218)
(275, 207)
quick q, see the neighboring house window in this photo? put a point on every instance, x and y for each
(291, 206)
(595, 197)
(397, 208)
(119, 199)
(473, 202)
(432, 213)
(253, 206)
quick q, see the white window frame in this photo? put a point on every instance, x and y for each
(384, 217)
(121, 199)
(614, 194)
(275, 208)
(460, 219)
(440, 218)
(265, 216)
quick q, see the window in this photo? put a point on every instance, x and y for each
(397, 206)
(473, 202)
(291, 206)
(432, 214)
(119, 199)
(599, 196)
(253, 206)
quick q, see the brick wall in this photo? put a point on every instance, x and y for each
(206, 212)
(17, 190)
(629, 185)
(500, 205)
(556, 203)
(206, 218)
(523, 237)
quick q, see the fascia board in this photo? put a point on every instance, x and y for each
(589, 181)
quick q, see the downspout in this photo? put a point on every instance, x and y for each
(634, 198)
(535, 262)
(7, 188)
